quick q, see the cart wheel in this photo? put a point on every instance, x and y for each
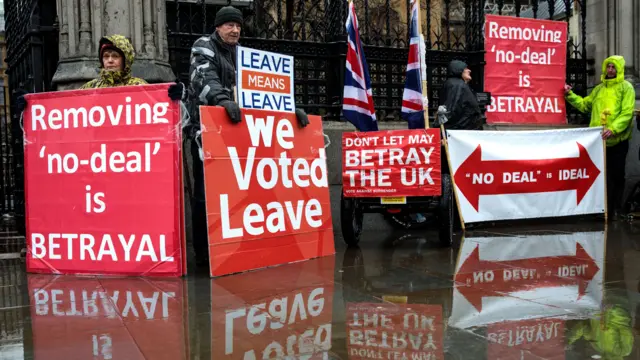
(350, 220)
(446, 212)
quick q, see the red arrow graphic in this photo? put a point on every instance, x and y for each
(476, 177)
(476, 277)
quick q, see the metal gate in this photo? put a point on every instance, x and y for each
(32, 58)
(313, 31)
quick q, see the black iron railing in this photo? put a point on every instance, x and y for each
(32, 58)
(313, 31)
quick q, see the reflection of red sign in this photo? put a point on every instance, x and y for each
(394, 331)
(391, 163)
(478, 278)
(526, 340)
(76, 318)
(476, 177)
(273, 313)
(102, 173)
(525, 70)
(267, 190)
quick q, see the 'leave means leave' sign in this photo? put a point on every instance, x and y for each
(265, 80)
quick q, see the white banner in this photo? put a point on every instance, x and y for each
(264, 80)
(506, 175)
(513, 278)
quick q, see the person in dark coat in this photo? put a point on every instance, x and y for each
(213, 78)
(463, 110)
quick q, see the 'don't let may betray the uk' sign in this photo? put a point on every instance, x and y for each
(264, 80)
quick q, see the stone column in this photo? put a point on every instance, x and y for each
(84, 22)
(624, 35)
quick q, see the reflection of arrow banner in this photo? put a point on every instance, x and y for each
(527, 174)
(495, 278)
(511, 278)
(476, 177)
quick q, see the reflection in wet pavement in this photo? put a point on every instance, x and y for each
(551, 292)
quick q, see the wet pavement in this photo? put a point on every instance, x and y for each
(561, 291)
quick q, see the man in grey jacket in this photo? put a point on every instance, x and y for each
(213, 77)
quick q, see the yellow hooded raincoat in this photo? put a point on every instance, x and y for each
(116, 78)
(611, 103)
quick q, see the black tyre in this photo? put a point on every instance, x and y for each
(350, 220)
(446, 211)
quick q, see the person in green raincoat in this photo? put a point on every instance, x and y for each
(610, 335)
(116, 57)
(611, 104)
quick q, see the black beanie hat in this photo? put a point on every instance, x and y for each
(228, 14)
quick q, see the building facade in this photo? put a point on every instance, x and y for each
(53, 45)
(613, 27)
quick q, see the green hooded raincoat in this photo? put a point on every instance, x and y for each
(116, 78)
(611, 103)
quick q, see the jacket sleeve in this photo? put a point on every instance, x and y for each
(205, 82)
(627, 107)
(88, 85)
(583, 104)
(453, 102)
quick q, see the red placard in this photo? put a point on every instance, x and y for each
(126, 318)
(274, 313)
(526, 340)
(267, 190)
(525, 70)
(102, 174)
(391, 163)
(394, 331)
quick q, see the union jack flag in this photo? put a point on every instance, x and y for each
(413, 105)
(357, 103)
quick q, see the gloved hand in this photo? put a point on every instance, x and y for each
(177, 91)
(21, 102)
(233, 110)
(302, 117)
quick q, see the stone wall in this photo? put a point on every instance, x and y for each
(84, 22)
(613, 27)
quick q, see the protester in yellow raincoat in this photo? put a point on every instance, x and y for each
(611, 104)
(116, 57)
(610, 335)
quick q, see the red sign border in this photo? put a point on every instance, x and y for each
(488, 17)
(378, 196)
(180, 229)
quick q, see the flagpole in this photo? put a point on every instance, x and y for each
(422, 63)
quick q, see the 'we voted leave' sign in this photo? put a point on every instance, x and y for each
(265, 80)
(271, 206)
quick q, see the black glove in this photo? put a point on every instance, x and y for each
(233, 110)
(21, 102)
(177, 91)
(302, 117)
